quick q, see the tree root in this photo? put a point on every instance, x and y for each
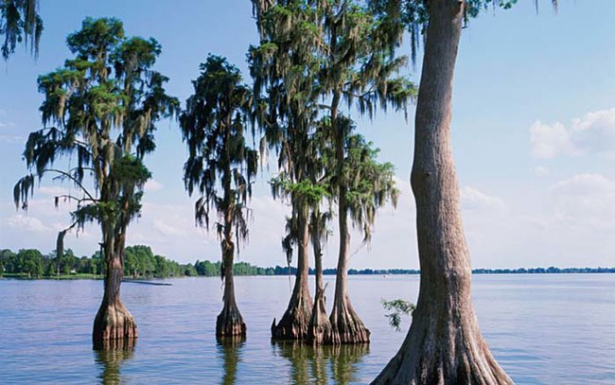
(230, 323)
(442, 353)
(114, 327)
(346, 326)
(319, 330)
(295, 321)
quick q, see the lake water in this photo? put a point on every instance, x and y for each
(543, 329)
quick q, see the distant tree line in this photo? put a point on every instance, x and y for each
(141, 262)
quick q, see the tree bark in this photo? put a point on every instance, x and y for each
(444, 344)
(347, 327)
(229, 322)
(320, 326)
(295, 321)
(113, 325)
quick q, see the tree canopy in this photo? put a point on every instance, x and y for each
(221, 166)
(99, 115)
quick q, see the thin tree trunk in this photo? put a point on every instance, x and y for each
(295, 321)
(320, 326)
(229, 322)
(347, 327)
(114, 326)
(444, 344)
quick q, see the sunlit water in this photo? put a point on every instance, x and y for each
(543, 329)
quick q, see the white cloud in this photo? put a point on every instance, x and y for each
(26, 223)
(550, 141)
(165, 229)
(153, 185)
(585, 202)
(541, 171)
(593, 133)
(473, 199)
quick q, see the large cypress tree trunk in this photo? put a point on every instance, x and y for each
(295, 321)
(229, 322)
(444, 344)
(320, 326)
(114, 326)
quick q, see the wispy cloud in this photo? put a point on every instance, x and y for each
(593, 133)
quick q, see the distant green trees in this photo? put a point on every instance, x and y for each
(214, 269)
(140, 262)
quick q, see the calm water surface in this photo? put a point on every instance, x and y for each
(543, 329)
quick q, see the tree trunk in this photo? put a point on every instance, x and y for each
(320, 326)
(347, 327)
(444, 344)
(229, 322)
(113, 324)
(295, 321)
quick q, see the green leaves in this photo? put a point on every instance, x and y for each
(96, 38)
(100, 110)
(220, 166)
(397, 308)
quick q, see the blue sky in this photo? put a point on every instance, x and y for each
(533, 135)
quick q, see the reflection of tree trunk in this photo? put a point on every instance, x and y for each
(444, 344)
(231, 349)
(297, 355)
(319, 366)
(295, 321)
(113, 321)
(345, 360)
(320, 326)
(111, 359)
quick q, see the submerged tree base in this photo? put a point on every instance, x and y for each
(448, 352)
(319, 331)
(295, 321)
(114, 327)
(346, 326)
(230, 323)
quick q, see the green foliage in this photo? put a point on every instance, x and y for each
(369, 184)
(139, 262)
(19, 23)
(397, 308)
(99, 111)
(220, 166)
(313, 55)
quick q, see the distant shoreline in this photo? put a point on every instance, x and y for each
(284, 271)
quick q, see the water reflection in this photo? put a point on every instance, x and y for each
(110, 358)
(230, 348)
(321, 364)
